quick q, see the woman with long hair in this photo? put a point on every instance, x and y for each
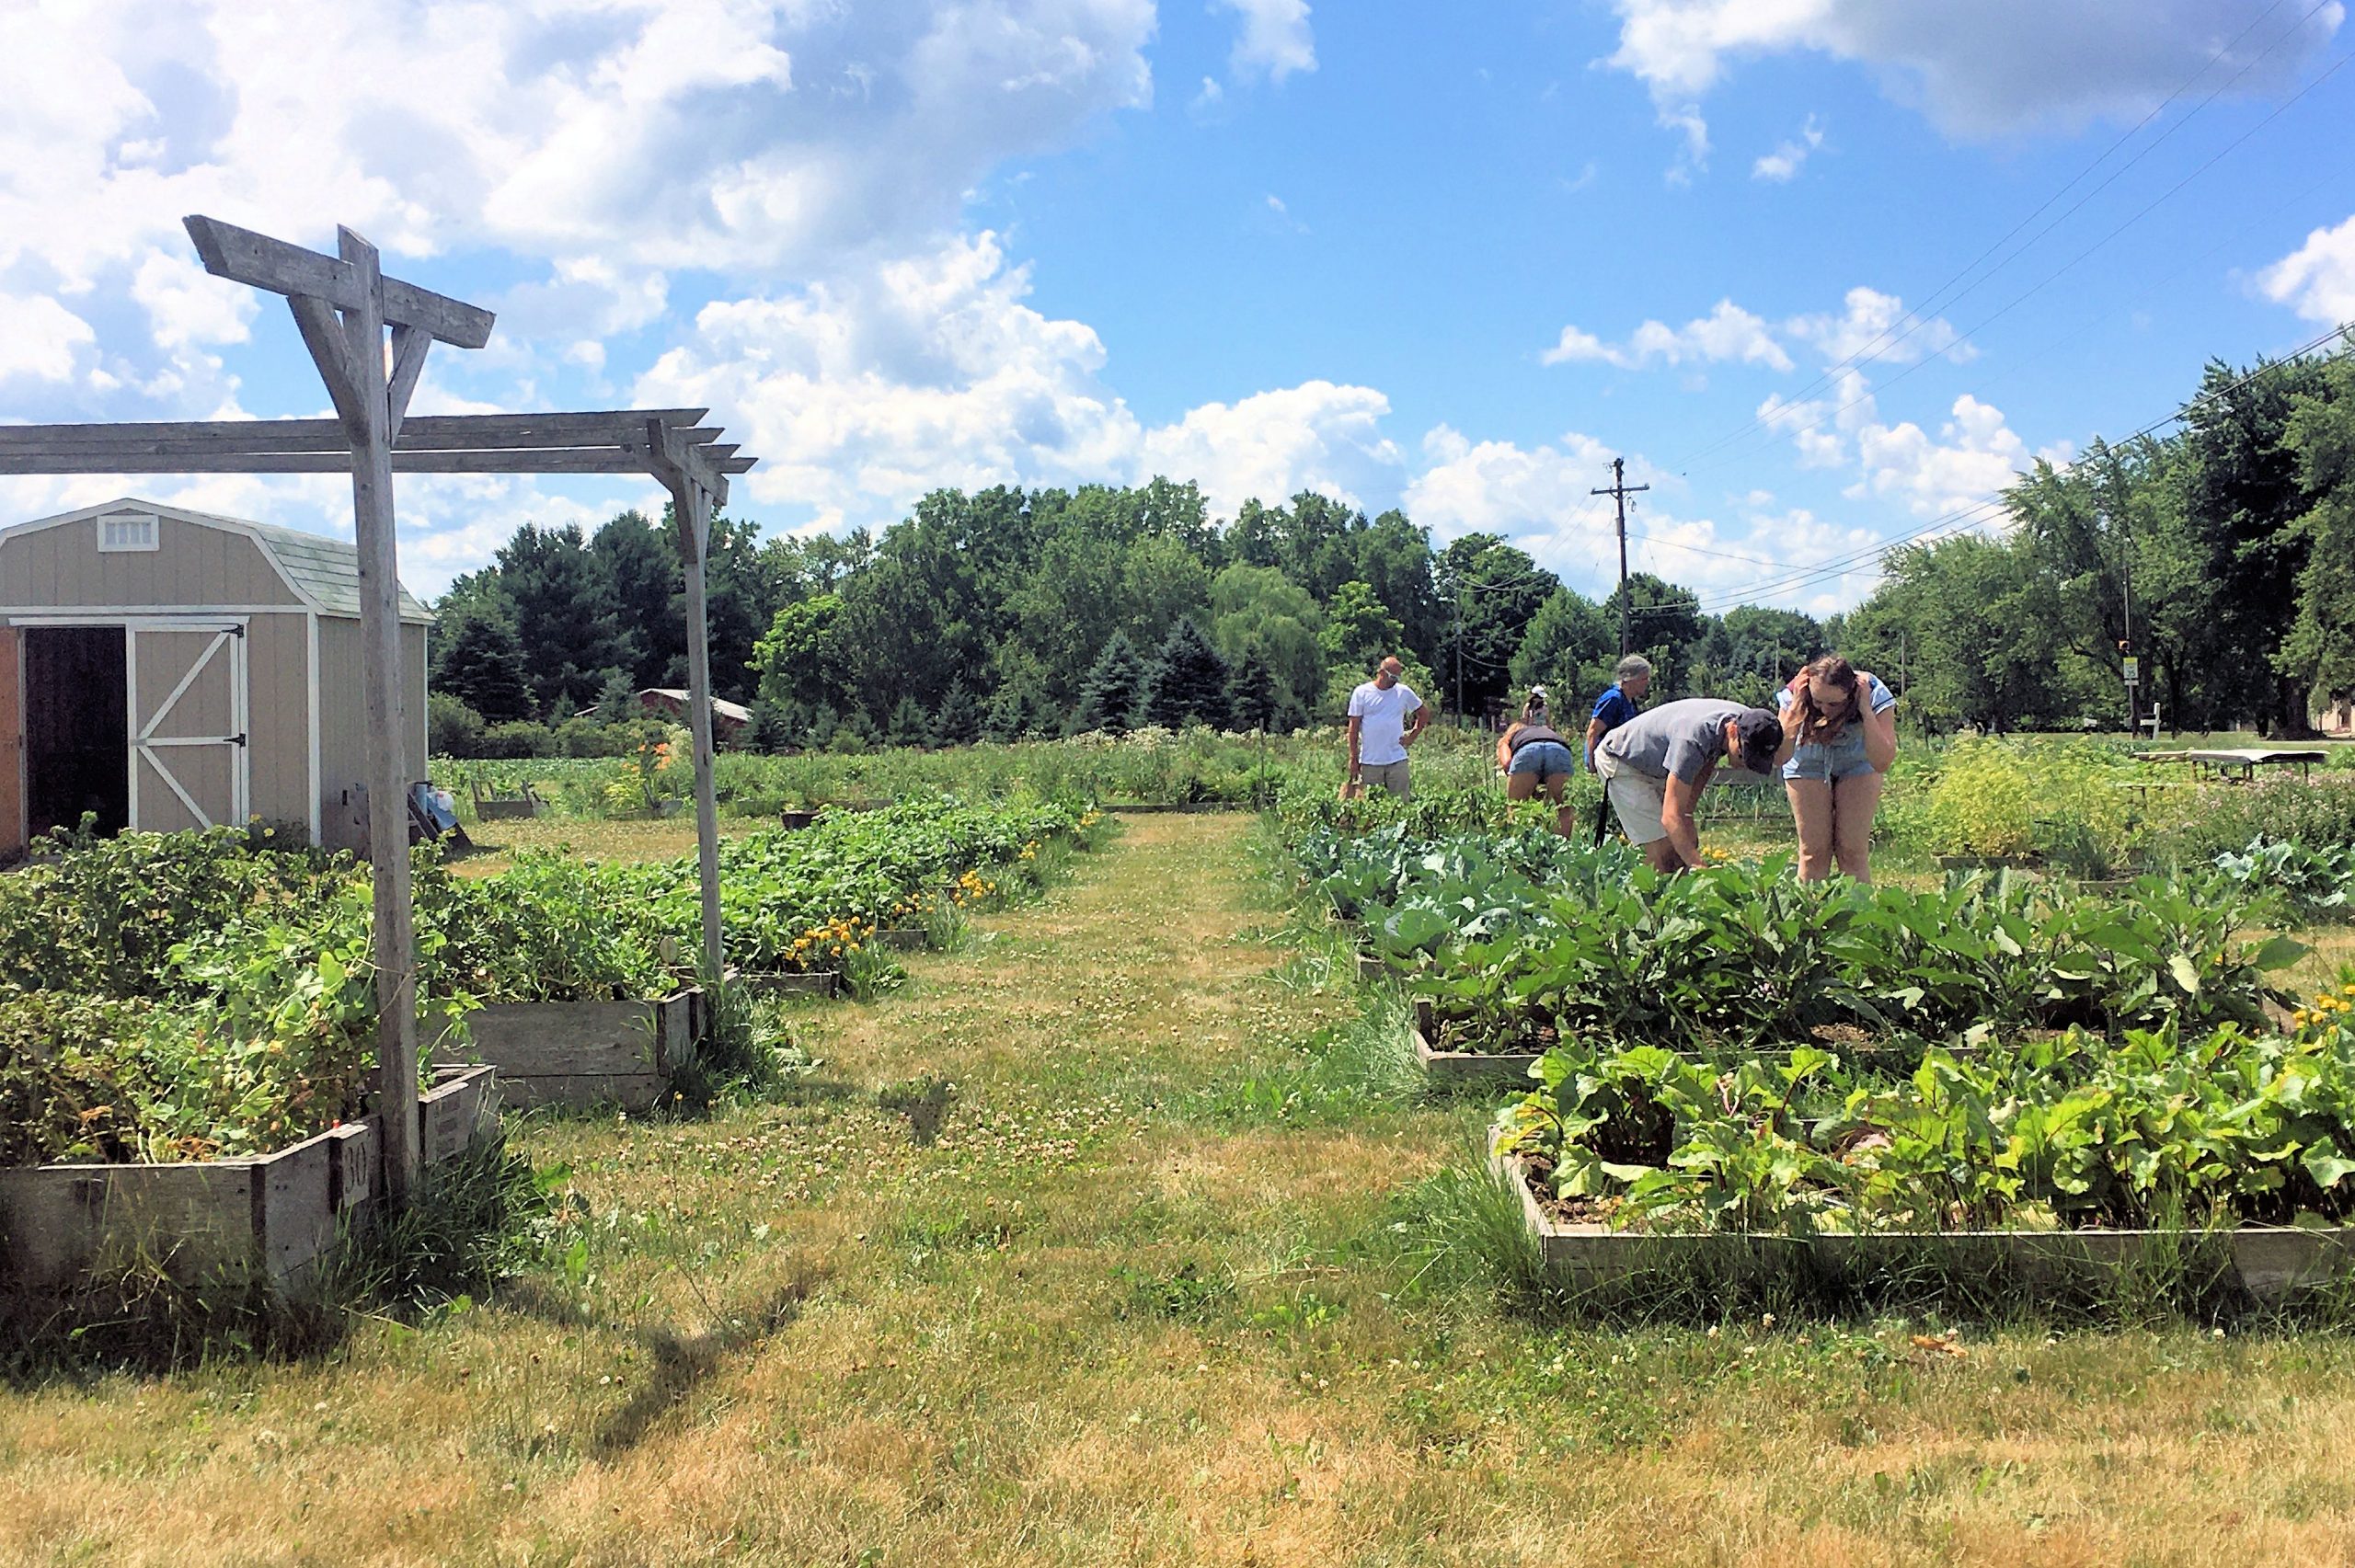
(1843, 723)
(1535, 755)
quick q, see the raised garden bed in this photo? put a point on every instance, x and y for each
(276, 1214)
(795, 821)
(904, 939)
(793, 982)
(1464, 1066)
(495, 809)
(2270, 1262)
(577, 1054)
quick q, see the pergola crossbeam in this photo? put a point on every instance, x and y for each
(522, 460)
(228, 251)
(343, 306)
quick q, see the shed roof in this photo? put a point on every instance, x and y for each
(323, 572)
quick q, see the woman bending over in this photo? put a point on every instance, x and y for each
(1536, 756)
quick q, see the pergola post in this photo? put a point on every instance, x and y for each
(342, 304)
(691, 507)
(370, 420)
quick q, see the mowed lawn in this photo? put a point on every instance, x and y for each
(1152, 1293)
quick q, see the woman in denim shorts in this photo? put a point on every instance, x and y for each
(1843, 724)
(1536, 756)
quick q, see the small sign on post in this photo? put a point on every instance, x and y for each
(2133, 671)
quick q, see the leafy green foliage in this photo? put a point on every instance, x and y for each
(185, 996)
(2072, 1131)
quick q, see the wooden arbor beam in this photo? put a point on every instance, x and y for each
(616, 442)
(343, 306)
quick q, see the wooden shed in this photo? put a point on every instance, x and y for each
(167, 669)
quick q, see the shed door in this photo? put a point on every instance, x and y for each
(188, 724)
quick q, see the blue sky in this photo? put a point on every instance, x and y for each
(1452, 258)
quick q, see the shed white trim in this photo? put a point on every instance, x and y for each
(103, 614)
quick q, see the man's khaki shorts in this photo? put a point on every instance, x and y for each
(1391, 776)
(1639, 799)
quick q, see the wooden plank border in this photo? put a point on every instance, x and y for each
(2271, 1262)
(577, 1054)
(272, 1215)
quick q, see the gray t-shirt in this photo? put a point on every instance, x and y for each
(1674, 739)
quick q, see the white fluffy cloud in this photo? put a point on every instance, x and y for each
(1272, 38)
(631, 134)
(44, 341)
(1541, 498)
(1978, 68)
(1869, 323)
(861, 395)
(1317, 435)
(186, 306)
(1782, 163)
(1975, 455)
(1727, 333)
(2317, 280)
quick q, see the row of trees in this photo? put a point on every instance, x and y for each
(2225, 553)
(1011, 612)
(2222, 556)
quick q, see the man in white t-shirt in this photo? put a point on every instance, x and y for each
(1380, 730)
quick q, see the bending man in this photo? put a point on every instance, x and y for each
(1655, 766)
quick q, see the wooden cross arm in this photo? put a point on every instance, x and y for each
(245, 257)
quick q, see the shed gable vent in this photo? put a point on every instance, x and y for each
(128, 531)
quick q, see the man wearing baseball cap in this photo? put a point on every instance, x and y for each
(1655, 766)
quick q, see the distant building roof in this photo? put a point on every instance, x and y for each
(734, 713)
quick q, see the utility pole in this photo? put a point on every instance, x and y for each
(1459, 650)
(1620, 490)
(2129, 666)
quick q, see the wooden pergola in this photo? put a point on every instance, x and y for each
(345, 308)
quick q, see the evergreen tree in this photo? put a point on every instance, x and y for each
(1108, 698)
(565, 613)
(773, 727)
(616, 698)
(1255, 698)
(1009, 714)
(959, 721)
(482, 665)
(1187, 681)
(910, 726)
(641, 563)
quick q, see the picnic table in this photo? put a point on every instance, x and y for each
(2239, 763)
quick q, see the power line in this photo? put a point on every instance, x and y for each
(1976, 512)
(1985, 322)
(1920, 313)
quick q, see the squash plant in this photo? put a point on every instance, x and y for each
(2068, 1131)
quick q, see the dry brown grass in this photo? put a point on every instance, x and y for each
(1124, 1311)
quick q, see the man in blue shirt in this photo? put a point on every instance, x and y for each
(1619, 702)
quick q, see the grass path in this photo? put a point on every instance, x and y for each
(1146, 1295)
